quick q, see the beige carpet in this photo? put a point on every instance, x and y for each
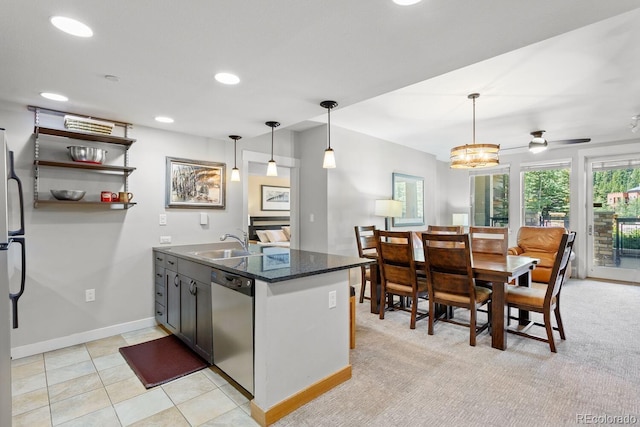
(404, 377)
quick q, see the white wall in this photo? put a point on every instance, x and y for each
(363, 174)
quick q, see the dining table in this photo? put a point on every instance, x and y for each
(497, 269)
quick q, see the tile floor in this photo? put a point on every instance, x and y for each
(92, 385)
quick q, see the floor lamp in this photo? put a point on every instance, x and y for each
(388, 209)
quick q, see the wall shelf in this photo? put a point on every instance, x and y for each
(55, 128)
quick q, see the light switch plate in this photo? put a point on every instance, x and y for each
(165, 239)
(163, 219)
(204, 218)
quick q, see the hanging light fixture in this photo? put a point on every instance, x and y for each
(272, 170)
(235, 172)
(538, 144)
(474, 155)
(329, 156)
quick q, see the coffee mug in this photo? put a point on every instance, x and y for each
(108, 196)
(125, 196)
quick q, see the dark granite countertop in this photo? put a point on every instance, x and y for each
(269, 264)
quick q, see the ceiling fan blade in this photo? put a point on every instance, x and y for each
(571, 141)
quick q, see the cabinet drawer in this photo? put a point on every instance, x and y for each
(161, 313)
(170, 262)
(194, 270)
(159, 275)
(161, 295)
(158, 258)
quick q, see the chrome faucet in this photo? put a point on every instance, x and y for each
(244, 241)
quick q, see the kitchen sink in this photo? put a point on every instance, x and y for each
(223, 253)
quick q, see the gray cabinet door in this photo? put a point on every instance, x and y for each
(187, 309)
(172, 288)
(204, 324)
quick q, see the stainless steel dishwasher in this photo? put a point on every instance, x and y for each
(232, 303)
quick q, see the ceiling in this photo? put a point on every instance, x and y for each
(398, 73)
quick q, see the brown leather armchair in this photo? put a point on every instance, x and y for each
(541, 243)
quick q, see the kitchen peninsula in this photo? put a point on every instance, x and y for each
(298, 317)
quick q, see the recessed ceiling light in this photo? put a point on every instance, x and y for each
(54, 96)
(227, 78)
(406, 2)
(163, 119)
(71, 26)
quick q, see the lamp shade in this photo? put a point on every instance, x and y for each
(388, 208)
(329, 159)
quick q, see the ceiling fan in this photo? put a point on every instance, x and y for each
(539, 143)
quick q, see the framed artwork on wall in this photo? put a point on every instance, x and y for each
(275, 198)
(194, 184)
(409, 190)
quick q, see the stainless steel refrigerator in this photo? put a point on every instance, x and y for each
(12, 268)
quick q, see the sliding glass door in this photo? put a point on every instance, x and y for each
(614, 219)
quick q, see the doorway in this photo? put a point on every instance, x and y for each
(613, 218)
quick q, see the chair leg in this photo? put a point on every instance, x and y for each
(549, 328)
(381, 307)
(414, 311)
(559, 321)
(364, 284)
(432, 313)
(472, 326)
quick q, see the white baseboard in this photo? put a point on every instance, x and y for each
(80, 338)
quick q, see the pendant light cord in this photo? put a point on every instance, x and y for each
(329, 127)
(272, 144)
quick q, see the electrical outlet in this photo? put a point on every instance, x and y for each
(165, 239)
(312, 217)
(163, 219)
(89, 295)
(332, 299)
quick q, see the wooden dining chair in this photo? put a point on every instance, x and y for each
(445, 229)
(366, 242)
(489, 240)
(398, 274)
(450, 281)
(544, 300)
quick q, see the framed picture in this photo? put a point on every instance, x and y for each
(410, 191)
(195, 184)
(275, 198)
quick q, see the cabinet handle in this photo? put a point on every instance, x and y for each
(159, 313)
(158, 274)
(159, 294)
(158, 258)
(171, 262)
(176, 282)
(192, 288)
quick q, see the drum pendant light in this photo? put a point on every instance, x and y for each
(329, 156)
(474, 155)
(272, 170)
(235, 172)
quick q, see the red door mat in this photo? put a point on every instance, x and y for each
(162, 360)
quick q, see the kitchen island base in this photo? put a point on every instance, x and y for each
(282, 409)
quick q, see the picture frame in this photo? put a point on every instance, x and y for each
(274, 198)
(195, 184)
(409, 189)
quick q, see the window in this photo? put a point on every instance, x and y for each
(546, 194)
(490, 198)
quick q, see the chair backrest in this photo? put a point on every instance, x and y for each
(489, 240)
(558, 274)
(365, 239)
(448, 264)
(445, 229)
(395, 257)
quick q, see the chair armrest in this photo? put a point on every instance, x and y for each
(516, 250)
